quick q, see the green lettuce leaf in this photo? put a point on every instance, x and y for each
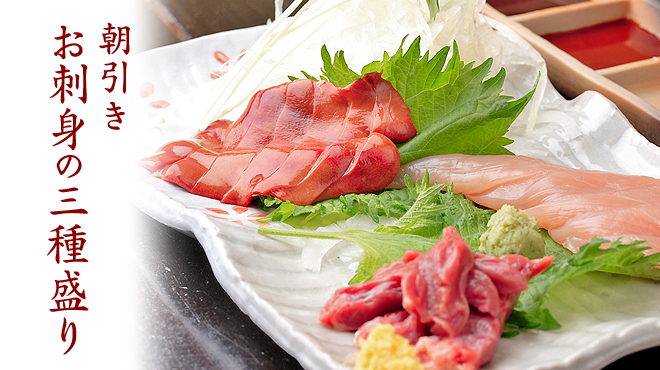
(437, 207)
(419, 228)
(389, 203)
(379, 247)
(422, 210)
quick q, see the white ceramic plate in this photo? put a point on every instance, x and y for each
(603, 318)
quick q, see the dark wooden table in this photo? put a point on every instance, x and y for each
(188, 321)
(187, 19)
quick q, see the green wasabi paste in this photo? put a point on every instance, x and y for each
(512, 232)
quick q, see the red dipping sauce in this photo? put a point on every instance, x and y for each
(607, 44)
(513, 7)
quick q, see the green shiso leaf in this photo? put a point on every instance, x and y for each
(455, 106)
(625, 259)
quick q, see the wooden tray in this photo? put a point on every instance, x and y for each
(633, 87)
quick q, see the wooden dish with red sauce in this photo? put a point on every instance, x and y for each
(610, 46)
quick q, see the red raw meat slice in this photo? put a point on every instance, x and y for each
(492, 291)
(346, 138)
(262, 166)
(394, 270)
(434, 284)
(352, 306)
(503, 275)
(330, 166)
(528, 268)
(254, 129)
(482, 294)
(365, 174)
(347, 168)
(168, 154)
(217, 182)
(197, 162)
(390, 107)
(472, 349)
(494, 283)
(294, 169)
(405, 324)
(214, 136)
(455, 302)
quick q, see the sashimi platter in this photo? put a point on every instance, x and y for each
(398, 185)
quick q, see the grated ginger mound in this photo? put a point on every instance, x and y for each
(384, 349)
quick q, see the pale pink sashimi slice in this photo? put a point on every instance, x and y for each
(566, 206)
(555, 184)
(471, 172)
(569, 203)
(558, 211)
(641, 222)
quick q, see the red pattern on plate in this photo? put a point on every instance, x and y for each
(146, 89)
(216, 74)
(221, 57)
(240, 209)
(218, 210)
(151, 115)
(160, 104)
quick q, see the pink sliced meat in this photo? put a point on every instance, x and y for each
(482, 294)
(506, 278)
(455, 303)
(528, 268)
(643, 220)
(470, 350)
(216, 182)
(364, 174)
(573, 205)
(434, 284)
(354, 305)
(302, 141)
(328, 168)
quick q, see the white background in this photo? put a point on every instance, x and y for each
(107, 333)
